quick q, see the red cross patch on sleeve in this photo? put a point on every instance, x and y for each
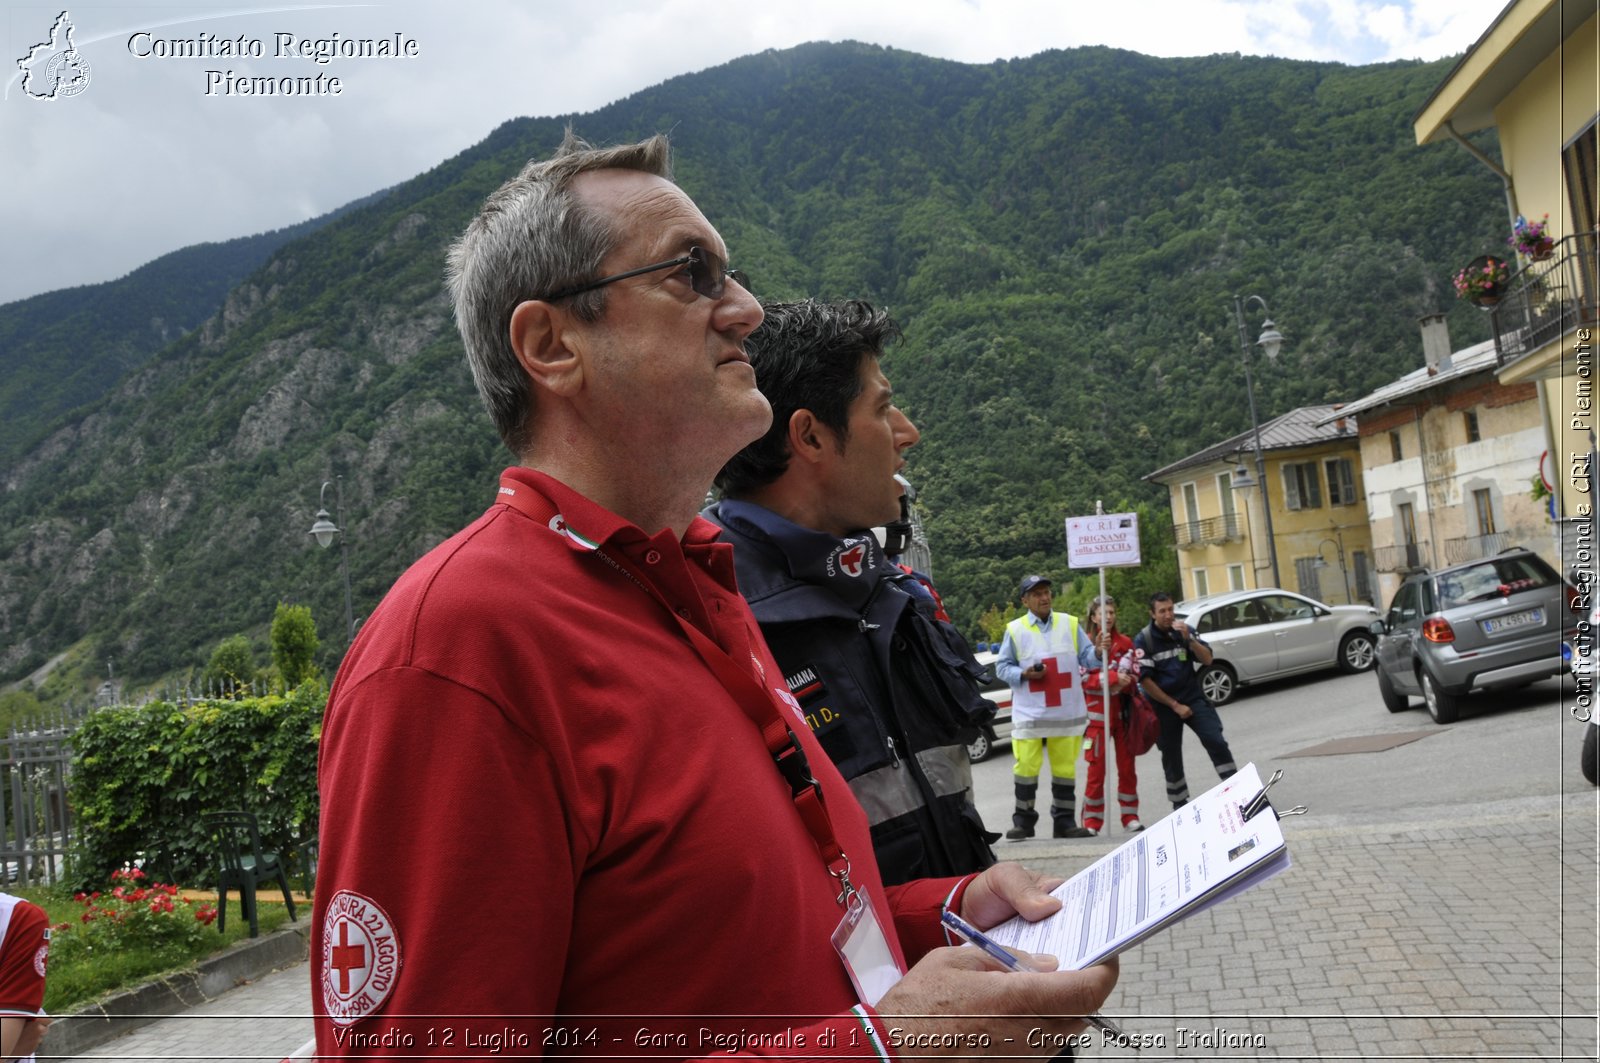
(360, 958)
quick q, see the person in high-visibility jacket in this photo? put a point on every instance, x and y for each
(1039, 658)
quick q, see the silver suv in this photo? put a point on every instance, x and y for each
(1496, 622)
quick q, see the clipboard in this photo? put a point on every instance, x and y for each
(1219, 845)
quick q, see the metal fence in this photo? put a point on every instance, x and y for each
(1402, 557)
(1546, 299)
(35, 817)
(190, 693)
(1472, 547)
(1209, 531)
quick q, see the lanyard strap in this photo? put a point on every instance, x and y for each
(757, 702)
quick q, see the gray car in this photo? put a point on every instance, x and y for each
(1270, 633)
(1492, 623)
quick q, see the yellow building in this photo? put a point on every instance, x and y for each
(1534, 77)
(1316, 507)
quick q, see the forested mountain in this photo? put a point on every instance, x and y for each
(1060, 235)
(63, 349)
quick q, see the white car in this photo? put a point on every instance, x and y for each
(999, 729)
(1270, 633)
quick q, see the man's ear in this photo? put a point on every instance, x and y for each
(809, 439)
(548, 345)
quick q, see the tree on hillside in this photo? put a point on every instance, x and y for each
(294, 644)
(232, 666)
(18, 707)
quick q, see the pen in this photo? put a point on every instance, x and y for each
(1011, 962)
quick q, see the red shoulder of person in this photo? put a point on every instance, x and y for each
(938, 602)
(1120, 645)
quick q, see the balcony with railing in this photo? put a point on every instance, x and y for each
(1545, 300)
(1208, 532)
(1401, 557)
(1472, 547)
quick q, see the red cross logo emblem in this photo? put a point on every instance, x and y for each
(851, 559)
(360, 957)
(1053, 683)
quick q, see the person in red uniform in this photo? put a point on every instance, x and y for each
(568, 803)
(24, 949)
(1108, 723)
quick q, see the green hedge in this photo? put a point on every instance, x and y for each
(143, 775)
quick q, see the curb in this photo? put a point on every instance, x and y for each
(123, 1012)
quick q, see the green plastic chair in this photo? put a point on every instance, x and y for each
(242, 865)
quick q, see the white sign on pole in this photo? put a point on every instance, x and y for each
(1105, 539)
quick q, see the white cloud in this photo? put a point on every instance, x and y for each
(144, 162)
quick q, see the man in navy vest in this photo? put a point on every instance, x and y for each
(891, 691)
(1168, 650)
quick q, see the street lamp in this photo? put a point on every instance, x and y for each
(1271, 339)
(1344, 573)
(324, 531)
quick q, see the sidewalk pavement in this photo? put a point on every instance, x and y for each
(265, 1018)
(1472, 935)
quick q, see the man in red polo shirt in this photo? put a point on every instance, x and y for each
(24, 949)
(568, 803)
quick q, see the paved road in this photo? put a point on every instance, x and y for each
(1506, 746)
(1442, 904)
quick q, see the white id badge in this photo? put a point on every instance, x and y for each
(862, 946)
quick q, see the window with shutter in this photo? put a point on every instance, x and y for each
(1341, 482)
(1302, 486)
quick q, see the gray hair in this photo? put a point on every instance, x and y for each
(533, 236)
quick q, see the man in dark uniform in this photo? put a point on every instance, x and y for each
(1167, 649)
(890, 690)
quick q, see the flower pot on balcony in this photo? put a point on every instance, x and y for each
(1532, 239)
(1483, 281)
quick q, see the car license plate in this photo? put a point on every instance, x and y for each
(1505, 623)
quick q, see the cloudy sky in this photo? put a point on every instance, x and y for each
(153, 152)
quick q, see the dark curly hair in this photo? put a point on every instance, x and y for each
(807, 356)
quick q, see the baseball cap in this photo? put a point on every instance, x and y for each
(1030, 582)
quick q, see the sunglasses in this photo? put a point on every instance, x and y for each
(708, 275)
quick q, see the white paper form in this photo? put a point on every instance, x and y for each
(1202, 854)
